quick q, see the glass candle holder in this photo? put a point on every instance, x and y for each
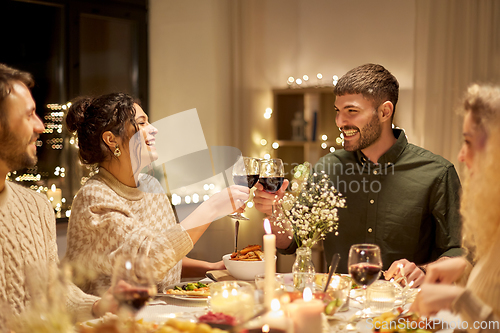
(234, 298)
(381, 297)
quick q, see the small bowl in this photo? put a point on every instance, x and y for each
(243, 270)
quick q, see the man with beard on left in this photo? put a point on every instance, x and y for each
(399, 196)
(27, 223)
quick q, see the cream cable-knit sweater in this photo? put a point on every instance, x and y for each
(28, 242)
(109, 219)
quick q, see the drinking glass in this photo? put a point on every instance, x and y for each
(132, 283)
(245, 173)
(272, 175)
(365, 264)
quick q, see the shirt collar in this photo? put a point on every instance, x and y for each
(390, 156)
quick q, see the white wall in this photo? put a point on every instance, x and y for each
(223, 57)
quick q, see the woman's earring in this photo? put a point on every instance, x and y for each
(117, 152)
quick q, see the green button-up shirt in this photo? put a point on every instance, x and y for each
(408, 204)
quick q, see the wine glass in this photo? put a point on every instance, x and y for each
(364, 265)
(132, 283)
(245, 173)
(272, 175)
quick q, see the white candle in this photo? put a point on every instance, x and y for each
(272, 321)
(270, 264)
(55, 196)
(306, 313)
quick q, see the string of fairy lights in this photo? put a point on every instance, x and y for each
(298, 83)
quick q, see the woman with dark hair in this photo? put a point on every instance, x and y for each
(478, 302)
(122, 212)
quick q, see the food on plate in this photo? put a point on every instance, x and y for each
(139, 326)
(217, 318)
(397, 321)
(249, 253)
(190, 289)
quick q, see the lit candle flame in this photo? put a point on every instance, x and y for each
(265, 328)
(275, 304)
(267, 226)
(307, 294)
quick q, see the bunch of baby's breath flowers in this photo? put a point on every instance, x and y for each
(310, 210)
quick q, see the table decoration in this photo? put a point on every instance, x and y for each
(270, 268)
(273, 321)
(306, 313)
(234, 298)
(310, 211)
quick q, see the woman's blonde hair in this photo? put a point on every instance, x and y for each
(480, 203)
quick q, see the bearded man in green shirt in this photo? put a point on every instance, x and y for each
(399, 196)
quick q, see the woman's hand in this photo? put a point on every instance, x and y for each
(229, 200)
(446, 271)
(264, 200)
(433, 298)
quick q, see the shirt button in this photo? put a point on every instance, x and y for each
(370, 230)
(375, 172)
(372, 201)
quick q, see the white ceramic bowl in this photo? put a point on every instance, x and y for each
(243, 270)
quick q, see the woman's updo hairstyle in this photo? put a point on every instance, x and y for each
(91, 117)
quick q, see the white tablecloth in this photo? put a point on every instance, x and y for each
(167, 307)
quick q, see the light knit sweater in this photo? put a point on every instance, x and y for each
(480, 302)
(28, 243)
(109, 219)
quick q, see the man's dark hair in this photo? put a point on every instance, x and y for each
(8, 76)
(373, 81)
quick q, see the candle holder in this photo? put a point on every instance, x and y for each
(234, 298)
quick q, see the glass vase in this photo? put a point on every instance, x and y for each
(303, 269)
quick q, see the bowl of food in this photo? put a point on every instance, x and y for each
(246, 263)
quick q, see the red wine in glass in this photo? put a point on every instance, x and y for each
(136, 299)
(272, 175)
(132, 282)
(364, 274)
(364, 265)
(248, 180)
(245, 173)
(271, 184)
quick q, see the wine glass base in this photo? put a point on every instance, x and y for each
(238, 216)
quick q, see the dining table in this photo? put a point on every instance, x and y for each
(163, 308)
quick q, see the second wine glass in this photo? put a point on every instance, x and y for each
(272, 175)
(132, 283)
(365, 264)
(245, 173)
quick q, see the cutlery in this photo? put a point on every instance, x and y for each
(236, 228)
(210, 276)
(333, 268)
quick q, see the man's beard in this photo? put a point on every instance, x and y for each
(14, 152)
(367, 136)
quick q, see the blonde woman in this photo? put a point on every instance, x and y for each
(479, 301)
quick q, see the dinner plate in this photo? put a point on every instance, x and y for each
(183, 297)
